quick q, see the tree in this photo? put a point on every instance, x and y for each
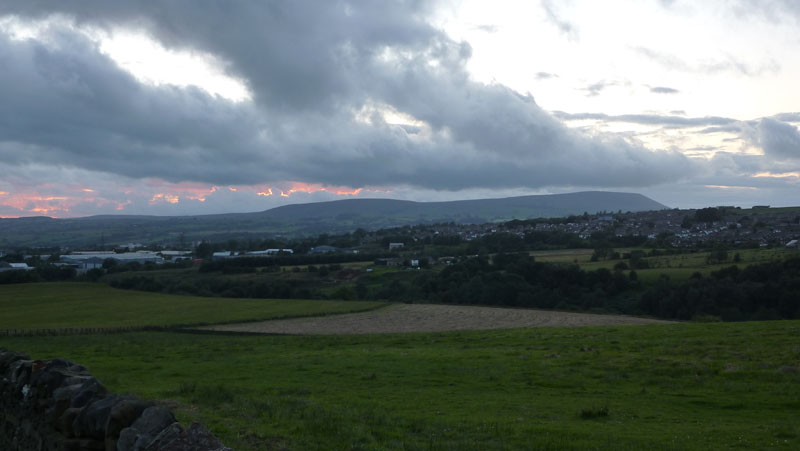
(718, 254)
(637, 260)
(709, 214)
(204, 250)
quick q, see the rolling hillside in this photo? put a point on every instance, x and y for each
(307, 219)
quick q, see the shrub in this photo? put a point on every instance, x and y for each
(592, 413)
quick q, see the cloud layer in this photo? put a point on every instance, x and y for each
(352, 94)
(311, 69)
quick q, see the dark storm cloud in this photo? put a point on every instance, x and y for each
(663, 90)
(72, 106)
(310, 67)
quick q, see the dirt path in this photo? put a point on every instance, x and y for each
(400, 318)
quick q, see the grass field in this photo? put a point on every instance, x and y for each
(681, 386)
(80, 305)
(677, 267)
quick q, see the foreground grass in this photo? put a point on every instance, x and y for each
(77, 305)
(682, 386)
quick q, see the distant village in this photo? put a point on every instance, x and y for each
(759, 227)
(732, 226)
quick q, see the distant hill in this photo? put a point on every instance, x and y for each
(308, 219)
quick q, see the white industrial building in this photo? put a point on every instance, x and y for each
(86, 260)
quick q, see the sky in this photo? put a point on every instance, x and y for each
(202, 106)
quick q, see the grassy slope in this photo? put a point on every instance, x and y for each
(683, 386)
(68, 305)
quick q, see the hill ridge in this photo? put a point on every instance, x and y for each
(336, 216)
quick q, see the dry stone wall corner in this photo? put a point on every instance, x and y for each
(55, 405)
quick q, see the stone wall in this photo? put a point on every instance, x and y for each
(57, 405)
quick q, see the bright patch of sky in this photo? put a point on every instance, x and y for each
(150, 62)
(612, 56)
(143, 57)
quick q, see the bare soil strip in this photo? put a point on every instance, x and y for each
(401, 318)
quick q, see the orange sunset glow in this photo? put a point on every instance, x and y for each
(155, 192)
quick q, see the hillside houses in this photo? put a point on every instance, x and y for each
(676, 227)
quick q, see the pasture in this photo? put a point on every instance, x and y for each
(656, 386)
(679, 386)
(92, 305)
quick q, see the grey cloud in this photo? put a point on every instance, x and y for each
(545, 76)
(310, 66)
(727, 64)
(787, 117)
(565, 27)
(73, 106)
(487, 28)
(301, 54)
(663, 90)
(732, 64)
(721, 129)
(595, 89)
(649, 119)
(664, 59)
(777, 11)
(735, 164)
(778, 139)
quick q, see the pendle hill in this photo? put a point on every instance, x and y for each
(308, 219)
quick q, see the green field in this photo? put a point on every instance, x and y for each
(683, 386)
(677, 267)
(677, 386)
(82, 305)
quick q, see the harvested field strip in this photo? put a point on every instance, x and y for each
(402, 318)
